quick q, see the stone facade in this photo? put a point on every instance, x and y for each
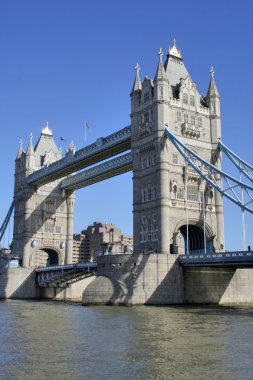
(43, 217)
(171, 204)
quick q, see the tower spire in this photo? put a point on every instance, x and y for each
(30, 149)
(137, 82)
(212, 89)
(160, 72)
(20, 151)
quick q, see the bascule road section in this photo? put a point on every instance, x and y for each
(103, 148)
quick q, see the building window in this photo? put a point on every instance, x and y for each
(185, 99)
(200, 122)
(192, 120)
(175, 159)
(148, 229)
(143, 219)
(146, 118)
(143, 163)
(185, 118)
(192, 100)
(58, 229)
(49, 227)
(192, 193)
(180, 192)
(179, 117)
(146, 96)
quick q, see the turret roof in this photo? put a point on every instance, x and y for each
(137, 82)
(46, 144)
(212, 89)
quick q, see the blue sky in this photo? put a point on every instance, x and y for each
(67, 61)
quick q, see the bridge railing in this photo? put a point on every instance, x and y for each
(66, 267)
(219, 258)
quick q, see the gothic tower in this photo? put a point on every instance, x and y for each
(174, 210)
(43, 216)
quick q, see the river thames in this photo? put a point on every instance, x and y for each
(53, 340)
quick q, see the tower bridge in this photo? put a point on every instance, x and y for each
(173, 147)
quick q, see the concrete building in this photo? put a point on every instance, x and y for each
(172, 206)
(78, 255)
(105, 237)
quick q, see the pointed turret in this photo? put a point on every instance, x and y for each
(213, 97)
(136, 90)
(20, 151)
(161, 80)
(137, 82)
(30, 155)
(212, 90)
(160, 72)
(30, 150)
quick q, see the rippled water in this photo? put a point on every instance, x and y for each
(47, 340)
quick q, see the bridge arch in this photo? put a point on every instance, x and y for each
(44, 255)
(195, 237)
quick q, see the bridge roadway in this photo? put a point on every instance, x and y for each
(103, 148)
(218, 259)
(61, 276)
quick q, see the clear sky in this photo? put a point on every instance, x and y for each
(67, 61)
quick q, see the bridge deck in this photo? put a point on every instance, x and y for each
(61, 276)
(237, 259)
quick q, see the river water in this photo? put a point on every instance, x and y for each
(53, 340)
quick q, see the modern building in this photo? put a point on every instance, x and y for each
(79, 255)
(100, 238)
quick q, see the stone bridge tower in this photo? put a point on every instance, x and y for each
(174, 210)
(43, 216)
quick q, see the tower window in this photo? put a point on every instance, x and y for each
(175, 159)
(192, 193)
(146, 96)
(192, 100)
(185, 99)
(180, 192)
(192, 120)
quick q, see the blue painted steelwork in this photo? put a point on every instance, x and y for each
(6, 221)
(208, 172)
(61, 276)
(237, 258)
(102, 149)
(108, 169)
(243, 166)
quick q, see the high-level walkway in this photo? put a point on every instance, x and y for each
(103, 148)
